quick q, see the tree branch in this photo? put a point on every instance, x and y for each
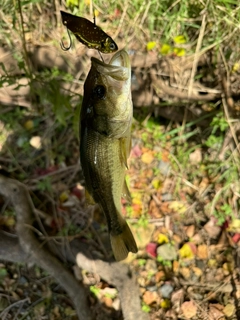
(18, 194)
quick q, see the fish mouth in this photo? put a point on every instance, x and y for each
(118, 68)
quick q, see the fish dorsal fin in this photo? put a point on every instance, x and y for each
(126, 193)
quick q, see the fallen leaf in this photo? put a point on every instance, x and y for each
(215, 311)
(176, 266)
(179, 51)
(150, 297)
(178, 206)
(147, 157)
(29, 124)
(167, 252)
(136, 151)
(196, 156)
(234, 226)
(185, 272)
(180, 39)
(36, 142)
(162, 238)
(189, 309)
(236, 238)
(160, 276)
(151, 249)
(151, 45)
(165, 49)
(229, 310)
(212, 229)
(156, 183)
(187, 251)
(197, 271)
(202, 251)
(190, 231)
(64, 196)
(165, 304)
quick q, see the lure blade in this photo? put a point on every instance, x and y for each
(89, 33)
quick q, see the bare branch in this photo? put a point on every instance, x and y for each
(17, 193)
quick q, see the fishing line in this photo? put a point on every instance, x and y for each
(92, 11)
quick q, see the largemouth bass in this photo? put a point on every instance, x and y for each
(105, 143)
(89, 33)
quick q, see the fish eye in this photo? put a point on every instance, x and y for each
(99, 91)
(112, 46)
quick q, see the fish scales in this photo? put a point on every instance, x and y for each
(106, 118)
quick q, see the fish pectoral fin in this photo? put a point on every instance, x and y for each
(89, 198)
(123, 243)
(124, 151)
(126, 193)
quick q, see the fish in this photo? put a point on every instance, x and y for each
(89, 33)
(105, 144)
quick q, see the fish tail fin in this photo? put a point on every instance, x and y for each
(123, 243)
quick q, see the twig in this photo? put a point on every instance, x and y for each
(196, 57)
(4, 312)
(23, 39)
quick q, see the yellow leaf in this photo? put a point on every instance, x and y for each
(165, 304)
(29, 124)
(165, 49)
(236, 67)
(179, 52)
(162, 238)
(234, 226)
(177, 206)
(180, 39)
(151, 45)
(156, 184)
(10, 221)
(229, 310)
(147, 157)
(136, 198)
(186, 251)
(63, 196)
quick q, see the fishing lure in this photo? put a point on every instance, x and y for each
(88, 33)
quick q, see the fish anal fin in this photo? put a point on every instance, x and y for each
(126, 193)
(123, 243)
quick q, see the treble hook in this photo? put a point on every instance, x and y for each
(62, 45)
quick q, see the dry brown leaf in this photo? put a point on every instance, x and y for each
(150, 297)
(185, 272)
(190, 231)
(189, 309)
(212, 229)
(195, 156)
(215, 311)
(202, 251)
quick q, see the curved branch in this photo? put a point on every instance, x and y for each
(18, 194)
